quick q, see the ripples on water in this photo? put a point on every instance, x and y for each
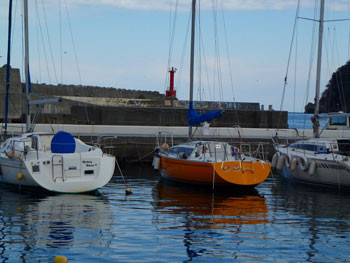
(160, 222)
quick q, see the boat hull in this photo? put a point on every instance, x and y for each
(11, 168)
(46, 173)
(238, 173)
(327, 173)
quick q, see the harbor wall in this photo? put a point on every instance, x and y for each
(89, 105)
(15, 94)
(161, 116)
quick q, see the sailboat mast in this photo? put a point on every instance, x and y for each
(26, 63)
(193, 28)
(318, 71)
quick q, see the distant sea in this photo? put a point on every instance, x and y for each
(298, 120)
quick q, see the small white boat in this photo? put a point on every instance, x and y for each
(317, 161)
(321, 161)
(58, 163)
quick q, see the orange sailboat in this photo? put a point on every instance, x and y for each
(208, 162)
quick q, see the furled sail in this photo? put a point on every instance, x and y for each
(195, 119)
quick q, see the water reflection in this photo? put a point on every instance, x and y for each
(206, 219)
(211, 210)
(321, 215)
(36, 220)
(313, 201)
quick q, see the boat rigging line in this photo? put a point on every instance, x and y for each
(172, 27)
(127, 189)
(290, 53)
(73, 43)
(49, 41)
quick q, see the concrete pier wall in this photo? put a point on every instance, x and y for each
(141, 110)
(15, 94)
(161, 116)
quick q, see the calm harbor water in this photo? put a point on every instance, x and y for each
(160, 222)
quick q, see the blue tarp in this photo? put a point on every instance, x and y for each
(195, 119)
(63, 142)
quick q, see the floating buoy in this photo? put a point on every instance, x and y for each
(60, 259)
(293, 164)
(274, 160)
(280, 162)
(19, 176)
(303, 163)
(128, 191)
(312, 168)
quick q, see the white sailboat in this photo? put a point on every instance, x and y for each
(208, 162)
(321, 161)
(54, 162)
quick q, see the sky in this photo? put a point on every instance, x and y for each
(242, 49)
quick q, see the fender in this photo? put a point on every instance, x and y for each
(312, 168)
(293, 164)
(303, 163)
(275, 160)
(287, 159)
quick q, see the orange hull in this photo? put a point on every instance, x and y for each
(238, 173)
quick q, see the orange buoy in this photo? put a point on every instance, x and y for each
(60, 259)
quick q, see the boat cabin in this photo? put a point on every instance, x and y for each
(338, 121)
(339, 146)
(205, 150)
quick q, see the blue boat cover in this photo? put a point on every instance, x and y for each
(63, 142)
(195, 119)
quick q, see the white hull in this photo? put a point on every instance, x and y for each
(10, 170)
(327, 173)
(315, 161)
(51, 177)
(84, 170)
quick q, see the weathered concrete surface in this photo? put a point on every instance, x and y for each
(15, 93)
(162, 116)
(93, 91)
(109, 106)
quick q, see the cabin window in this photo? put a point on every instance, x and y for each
(344, 146)
(338, 121)
(308, 147)
(176, 150)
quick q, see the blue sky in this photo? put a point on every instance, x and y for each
(125, 44)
